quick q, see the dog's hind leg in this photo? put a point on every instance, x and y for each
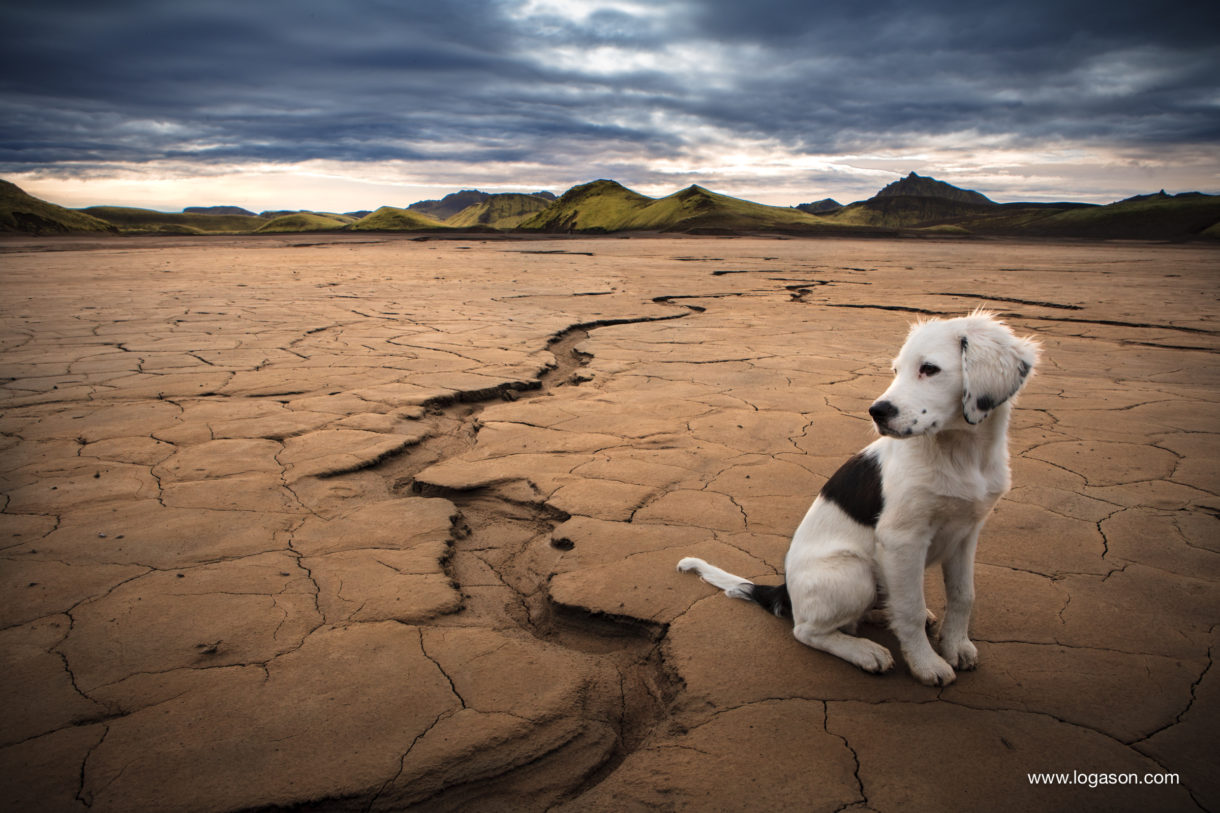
(830, 594)
(868, 655)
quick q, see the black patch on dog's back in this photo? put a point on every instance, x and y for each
(856, 488)
(773, 598)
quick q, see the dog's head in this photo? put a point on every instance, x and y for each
(952, 373)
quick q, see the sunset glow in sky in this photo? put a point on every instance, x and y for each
(351, 105)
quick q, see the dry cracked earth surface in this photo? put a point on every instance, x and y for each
(380, 523)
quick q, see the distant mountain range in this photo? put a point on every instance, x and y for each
(219, 210)
(604, 206)
(914, 205)
(449, 205)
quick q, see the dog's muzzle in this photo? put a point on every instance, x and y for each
(882, 412)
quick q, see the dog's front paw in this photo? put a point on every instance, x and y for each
(934, 671)
(873, 657)
(961, 654)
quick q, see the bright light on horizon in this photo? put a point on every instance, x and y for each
(761, 171)
(250, 188)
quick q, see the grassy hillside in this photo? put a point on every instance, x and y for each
(20, 212)
(389, 218)
(698, 209)
(505, 211)
(597, 207)
(147, 221)
(305, 221)
(1151, 217)
(906, 212)
(820, 207)
(1016, 218)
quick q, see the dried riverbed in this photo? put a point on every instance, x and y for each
(374, 523)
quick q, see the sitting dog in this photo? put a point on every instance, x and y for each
(915, 497)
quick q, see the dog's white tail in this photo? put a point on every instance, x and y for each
(733, 586)
(773, 598)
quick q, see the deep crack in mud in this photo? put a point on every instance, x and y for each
(508, 529)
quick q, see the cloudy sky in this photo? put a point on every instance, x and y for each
(351, 104)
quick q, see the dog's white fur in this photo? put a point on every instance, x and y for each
(943, 463)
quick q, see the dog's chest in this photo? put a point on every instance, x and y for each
(952, 521)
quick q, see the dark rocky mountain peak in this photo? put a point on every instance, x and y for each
(449, 205)
(919, 186)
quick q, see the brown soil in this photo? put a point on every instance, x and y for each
(385, 523)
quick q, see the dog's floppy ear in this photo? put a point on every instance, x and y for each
(995, 365)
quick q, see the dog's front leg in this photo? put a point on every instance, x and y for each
(902, 564)
(958, 570)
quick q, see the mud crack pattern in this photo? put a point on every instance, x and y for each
(393, 524)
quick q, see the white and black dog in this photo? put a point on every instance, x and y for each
(915, 497)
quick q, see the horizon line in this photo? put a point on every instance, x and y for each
(536, 190)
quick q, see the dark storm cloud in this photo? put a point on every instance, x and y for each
(287, 82)
(975, 26)
(865, 72)
(226, 82)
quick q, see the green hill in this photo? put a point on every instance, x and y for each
(1015, 219)
(907, 212)
(820, 207)
(696, 209)
(597, 207)
(1145, 217)
(305, 221)
(606, 206)
(21, 212)
(504, 211)
(148, 221)
(389, 218)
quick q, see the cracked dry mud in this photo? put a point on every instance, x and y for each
(368, 525)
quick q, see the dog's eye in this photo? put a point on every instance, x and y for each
(928, 369)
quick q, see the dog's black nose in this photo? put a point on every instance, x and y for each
(882, 411)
